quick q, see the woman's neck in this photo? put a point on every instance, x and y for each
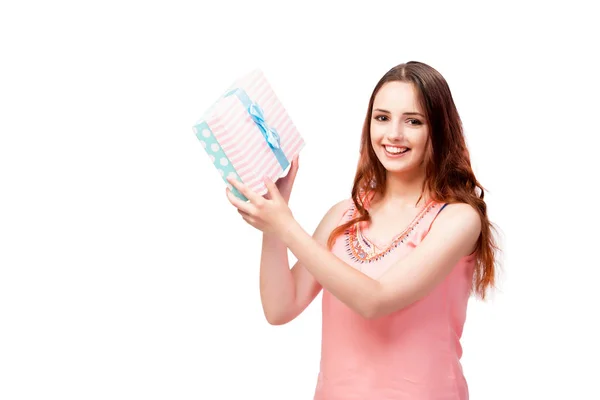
(405, 191)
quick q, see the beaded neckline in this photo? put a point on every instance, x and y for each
(362, 250)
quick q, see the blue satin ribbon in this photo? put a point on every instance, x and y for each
(258, 116)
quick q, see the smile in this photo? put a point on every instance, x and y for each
(394, 151)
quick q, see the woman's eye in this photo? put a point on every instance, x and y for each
(381, 118)
(413, 121)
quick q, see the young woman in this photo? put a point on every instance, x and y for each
(396, 271)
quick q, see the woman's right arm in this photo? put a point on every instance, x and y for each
(286, 292)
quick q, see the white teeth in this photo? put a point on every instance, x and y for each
(395, 150)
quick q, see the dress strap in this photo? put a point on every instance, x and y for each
(430, 218)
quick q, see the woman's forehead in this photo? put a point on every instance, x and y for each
(397, 97)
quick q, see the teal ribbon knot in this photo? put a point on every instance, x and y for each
(270, 134)
(258, 116)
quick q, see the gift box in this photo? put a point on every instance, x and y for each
(248, 134)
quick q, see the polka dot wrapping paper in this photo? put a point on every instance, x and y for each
(248, 134)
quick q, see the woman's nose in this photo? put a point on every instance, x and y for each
(395, 132)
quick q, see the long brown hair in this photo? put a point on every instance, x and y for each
(449, 176)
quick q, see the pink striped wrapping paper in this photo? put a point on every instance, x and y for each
(234, 141)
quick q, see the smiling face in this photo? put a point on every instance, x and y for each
(399, 130)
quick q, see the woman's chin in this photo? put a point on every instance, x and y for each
(400, 170)
(396, 167)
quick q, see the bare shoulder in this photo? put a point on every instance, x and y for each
(331, 219)
(458, 222)
(340, 207)
(461, 215)
(336, 211)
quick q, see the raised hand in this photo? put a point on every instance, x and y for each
(269, 214)
(285, 184)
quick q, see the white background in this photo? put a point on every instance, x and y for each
(126, 274)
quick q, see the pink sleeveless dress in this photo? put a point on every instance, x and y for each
(412, 354)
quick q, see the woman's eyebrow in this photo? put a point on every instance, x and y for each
(406, 113)
(414, 113)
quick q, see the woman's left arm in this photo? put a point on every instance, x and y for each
(452, 236)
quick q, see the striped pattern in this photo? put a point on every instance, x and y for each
(241, 139)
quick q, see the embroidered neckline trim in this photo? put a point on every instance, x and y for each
(360, 249)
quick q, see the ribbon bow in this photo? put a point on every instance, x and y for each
(258, 117)
(270, 134)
